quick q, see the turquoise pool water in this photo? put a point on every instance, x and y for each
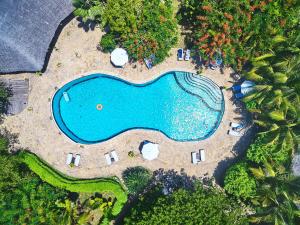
(183, 106)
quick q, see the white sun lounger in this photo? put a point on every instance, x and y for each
(234, 133)
(114, 155)
(202, 155)
(195, 158)
(107, 158)
(236, 125)
(66, 96)
(69, 158)
(187, 55)
(77, 160)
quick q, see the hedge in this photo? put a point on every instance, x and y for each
(60, 180)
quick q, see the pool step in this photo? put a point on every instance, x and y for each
(203, 87)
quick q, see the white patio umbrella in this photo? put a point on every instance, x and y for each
(119, 57)
(150, 151)
(247, 84)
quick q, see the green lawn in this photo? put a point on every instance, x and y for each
(57, 179)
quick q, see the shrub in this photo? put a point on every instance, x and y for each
(262, 150)
(238, 181)
(136, 179)
(108, 42)
(57, 179)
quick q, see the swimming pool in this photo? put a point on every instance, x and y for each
(181, 105)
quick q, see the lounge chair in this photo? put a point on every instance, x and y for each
(66, 96)
(108, 159)
(238, 95)
(180, 54)
(187, 55)
(77, 160)
(69, 158)
(202, 155)
(114, 156)
(236, 126)
(236, 88)
(234, 133)
(195, 157)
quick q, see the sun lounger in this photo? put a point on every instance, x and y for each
(202, 155)
(66, 96)
(77, 159)
(114, 156)
(238, 95)
(234, 133)
(236, 88)
(180, 54)
(69, 158)
(194, 158)
(187, 55)
(108, 159)
(236, 126)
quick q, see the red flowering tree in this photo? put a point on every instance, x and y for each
(237, 29)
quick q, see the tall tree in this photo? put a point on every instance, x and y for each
(276, 99)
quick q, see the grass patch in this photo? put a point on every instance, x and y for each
(60, 180)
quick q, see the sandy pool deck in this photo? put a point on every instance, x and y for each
(75, 54)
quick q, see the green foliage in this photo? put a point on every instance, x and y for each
(136, 179)
(239, 29)
(199, 206)
(142, 27)
(277, 197)
(108, 43)
(57, 179)
(275, 101)
(262, 150)
(88, 9)
(239, 182)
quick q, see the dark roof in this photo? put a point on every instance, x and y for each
(26, 31)
(18, 100)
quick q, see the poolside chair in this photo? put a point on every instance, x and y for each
(66, 96)
(238, 95)
(148, 63)
(234, 133)
(114, 156)
(195, 157)
(237, 126)
(180, 54)
(77, 160)
(69, 158)
(202, 154)
(108, 159)
(236, 88)
(187, 55)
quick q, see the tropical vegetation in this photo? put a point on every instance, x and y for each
(274, 104)
(136, 178)
(141, 27)
(202, 205)
(57, 179)
(237, 30)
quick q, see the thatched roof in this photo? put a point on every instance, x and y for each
(26, 31)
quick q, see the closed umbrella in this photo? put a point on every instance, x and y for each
(150, 151)
(119, 57)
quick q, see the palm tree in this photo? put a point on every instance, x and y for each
(277, 198)
(276, 97)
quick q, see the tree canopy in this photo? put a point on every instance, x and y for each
(204, 205)
(141, 27)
